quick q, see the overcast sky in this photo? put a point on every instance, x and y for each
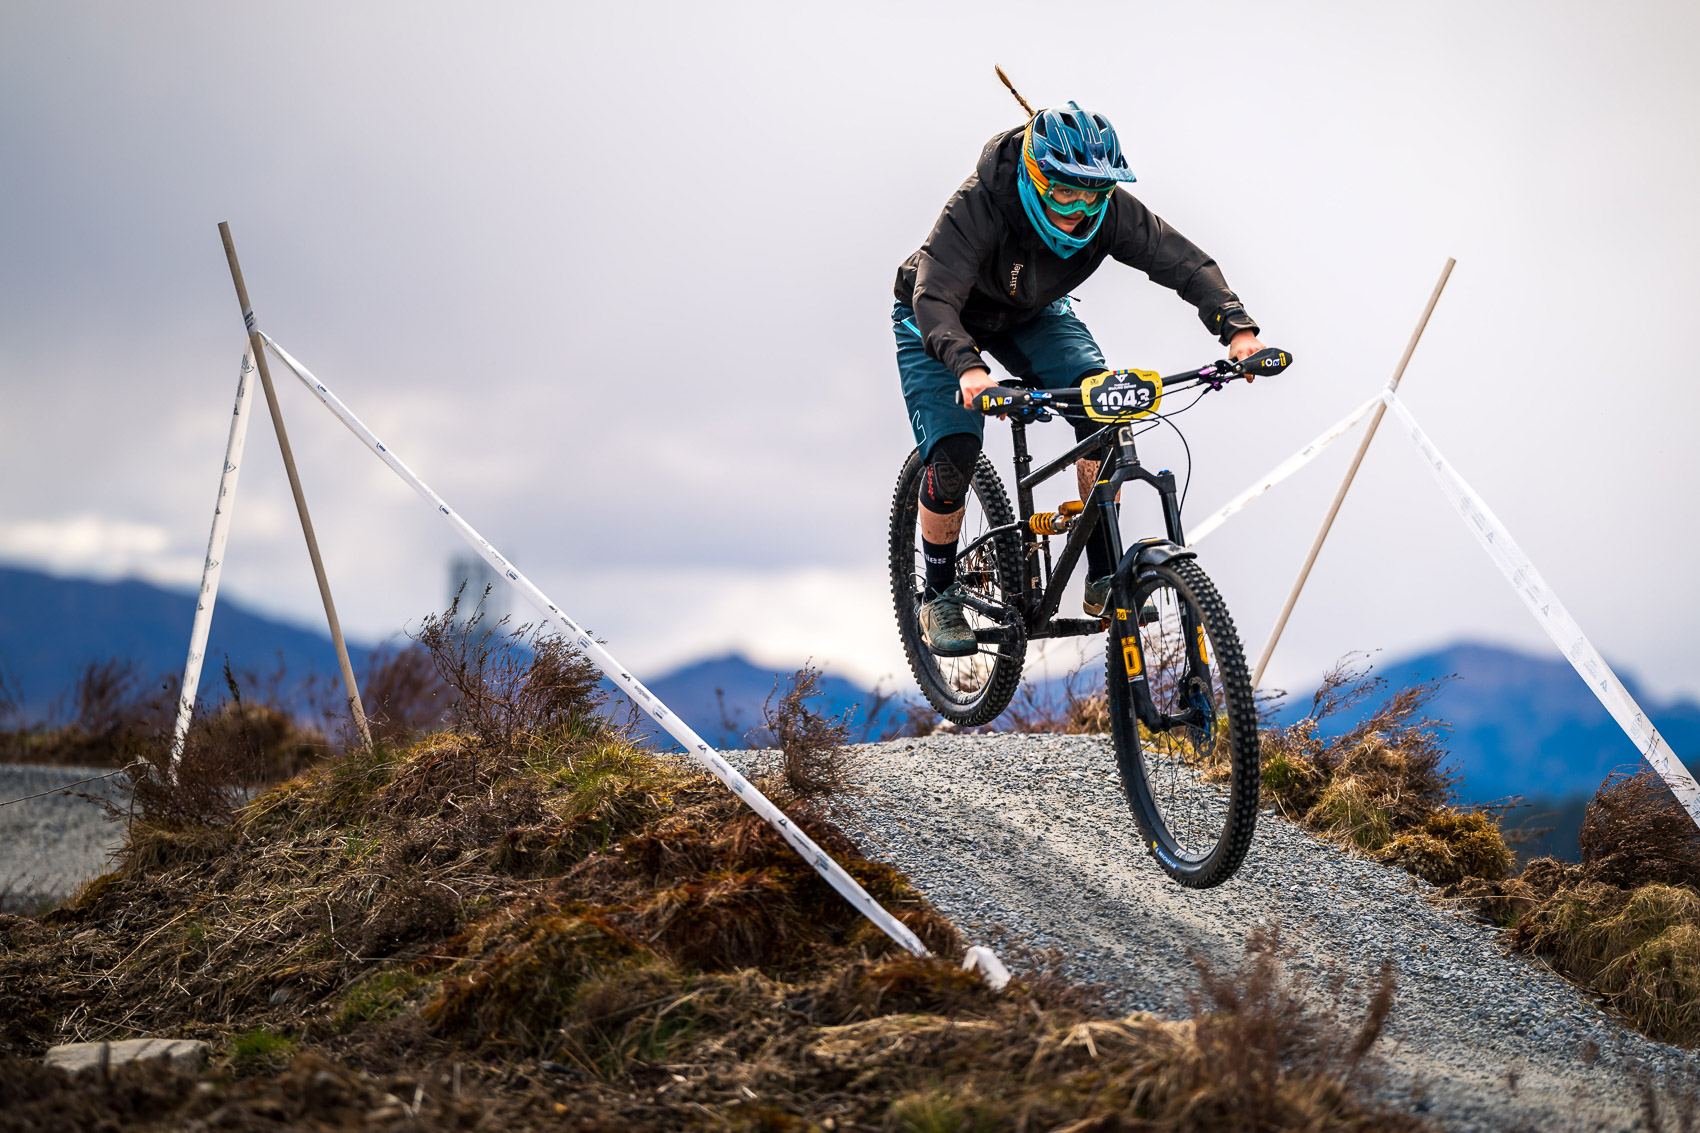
(615, 279)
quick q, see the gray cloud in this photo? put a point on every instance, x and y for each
(615, 281)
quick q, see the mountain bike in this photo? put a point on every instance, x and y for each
(1182, 716)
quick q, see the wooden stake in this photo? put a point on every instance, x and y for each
(1346, 484)
(259, 349)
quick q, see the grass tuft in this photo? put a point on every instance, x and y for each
(259, 1050)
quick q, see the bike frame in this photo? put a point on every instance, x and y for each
(1041, 586)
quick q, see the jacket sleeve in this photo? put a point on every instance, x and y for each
(1141, 239)
(947, 264)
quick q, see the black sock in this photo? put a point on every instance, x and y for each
(1098, 561)
(941, 566)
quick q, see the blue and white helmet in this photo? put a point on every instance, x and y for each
(1075, 146)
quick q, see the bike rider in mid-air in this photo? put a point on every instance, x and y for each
(1036, 218)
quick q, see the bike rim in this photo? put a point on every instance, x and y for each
(966, 679)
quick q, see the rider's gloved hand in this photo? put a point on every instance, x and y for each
(1244, 345)
(972, 382)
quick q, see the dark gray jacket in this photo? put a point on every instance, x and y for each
(984, 270)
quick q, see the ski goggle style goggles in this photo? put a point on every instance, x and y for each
(1070, 199)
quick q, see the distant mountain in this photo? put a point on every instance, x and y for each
(722, 697)
(1528, 725)
(51, 627)
(1521, 724)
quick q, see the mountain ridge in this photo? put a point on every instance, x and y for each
(1519, 723)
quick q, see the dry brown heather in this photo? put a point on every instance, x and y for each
(1382, 786)
(526, 922)
(1625, 921)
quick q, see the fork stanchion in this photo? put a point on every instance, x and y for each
(1346, 484)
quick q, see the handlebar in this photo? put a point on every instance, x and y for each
(1142, 390)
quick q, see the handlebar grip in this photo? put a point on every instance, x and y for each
(1269, 360)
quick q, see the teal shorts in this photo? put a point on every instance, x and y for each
(1052, 350)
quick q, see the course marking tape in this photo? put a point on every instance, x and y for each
(699, 750)
(1281, 471)
(1552, 615)
(213, 567)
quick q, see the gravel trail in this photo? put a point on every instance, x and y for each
(50, 845)
(1031, 834)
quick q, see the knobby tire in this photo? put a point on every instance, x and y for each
(1145, 766)
(1002, 567)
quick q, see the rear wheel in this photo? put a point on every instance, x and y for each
(1184, 723)
(974, 689)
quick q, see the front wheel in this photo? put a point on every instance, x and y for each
(1184, 722)
(969, 690)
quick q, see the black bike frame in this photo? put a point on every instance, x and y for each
(1037, 597)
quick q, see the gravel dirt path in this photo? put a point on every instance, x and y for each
(1030, 836)
(50, 845)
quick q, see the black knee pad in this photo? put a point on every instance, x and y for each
(950, 465)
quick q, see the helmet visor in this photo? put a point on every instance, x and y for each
(1066, 200)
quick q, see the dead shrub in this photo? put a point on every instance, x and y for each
(904, 984)
(106, 719)
(812, 760)
(404, 694)
(1078, 707)
(1381, 786)
(1625, 921)
(723, 890)
(1634, 832)
(414, 911)
(1276, 1060)
(509, 686)
(1639, 948)
(890, 716)
(1450, 846)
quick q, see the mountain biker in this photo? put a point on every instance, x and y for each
(1036, 218)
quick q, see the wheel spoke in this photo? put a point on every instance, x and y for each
(970, 689)
(1190, 762)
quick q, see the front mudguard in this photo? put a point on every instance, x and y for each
(1145, 553)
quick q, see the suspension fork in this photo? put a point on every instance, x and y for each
(1122, 465)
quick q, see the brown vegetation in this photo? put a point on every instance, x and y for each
(1625, 921)
(1078, 707)
(811, 760)
(1381, 786)
(523, 921)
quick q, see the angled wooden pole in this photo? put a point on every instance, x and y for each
(258, 346)
(1346, 484)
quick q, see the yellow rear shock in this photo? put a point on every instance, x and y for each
(1056, 522)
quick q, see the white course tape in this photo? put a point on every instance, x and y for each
(642, 697)
(213, 567)
(1281, 471)
(1552, 615)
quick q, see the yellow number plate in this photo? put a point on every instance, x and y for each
(1121, 395)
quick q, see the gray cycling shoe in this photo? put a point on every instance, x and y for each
(946, 632)
(1098, 595)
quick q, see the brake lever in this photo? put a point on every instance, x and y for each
(1220, 373)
